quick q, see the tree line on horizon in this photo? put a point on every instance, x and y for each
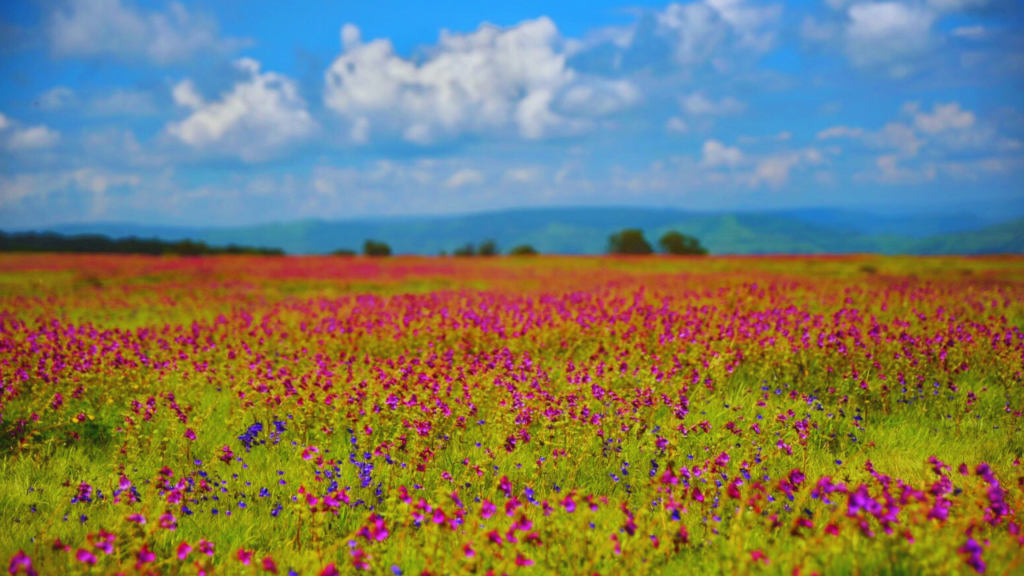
(99, 244)
(628, 242)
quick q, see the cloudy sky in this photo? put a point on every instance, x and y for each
(244, 111)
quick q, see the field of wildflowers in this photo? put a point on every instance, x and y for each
(320, 416)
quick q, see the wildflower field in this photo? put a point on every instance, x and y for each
(549, 415)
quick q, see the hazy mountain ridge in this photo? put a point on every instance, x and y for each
(586, 231)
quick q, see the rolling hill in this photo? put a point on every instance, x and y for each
(586, 230)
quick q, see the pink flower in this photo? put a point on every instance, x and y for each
(243, 556)
(184, 550)
(145, 556)
(467, 549)
(377, 530)
(329, 570)
(523, 561)
(83, 555)
(168, 522)
(487, 509)
(206, 547)
(359, 559)
(190, 434)
(21, 562)
(137, 518)
(269, 565)
(505, 486)
(758, 556)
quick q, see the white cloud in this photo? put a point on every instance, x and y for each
(185, 94)
(257, 118)
(124, 103)
(4, 122)
(700, 29)
(717, 154)
(971, 32)
(677, 125)
(95, 181)
(774, 170)
(111, 28)
(697, 104)
(56, 98)
(893, 135)
(523, 175)
(465, 177)
(34, 138)
(887, 34)
(599, 98)
(956, 5)
(943, 117)
(489, 80)
(890, 172)
(840, 132)
(780, 137)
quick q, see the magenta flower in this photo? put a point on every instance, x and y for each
(184, 550)
(206, 547)
(168, 521)
(505, 486)
(21, 562)
(487, 509)
(243, 556)
(136, 518)
(269, 565)
(523, 560)
(467, 549)
(329, 570)
(145, 556)
(84, 556)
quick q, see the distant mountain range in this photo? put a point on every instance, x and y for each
(586, 231)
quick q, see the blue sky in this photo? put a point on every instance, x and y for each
(236, 112)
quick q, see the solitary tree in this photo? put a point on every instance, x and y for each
(523, 250)
(629, 241)
(374, 248)
(343, 252)
(487, 248)
(680, 244)
(467, 250)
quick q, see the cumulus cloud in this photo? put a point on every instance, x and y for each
(971, 32)
(79, 28)
(523, 175)
(774, 170)
(894, 36)
(892, 135)
(124, 103)
(490, 80)
(887, 34)
(56, 98)
(599, 97)
(698, 104)
(699, 29)
(840, 132)
(94, 181)
(677, 125)
(715, 153)
(33, 138)
(255, 120)
(942, 118)
(465, 177)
